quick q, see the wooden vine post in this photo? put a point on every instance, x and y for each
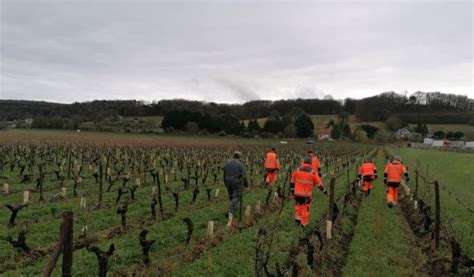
(160, 200)
(330, 209)
(210, 229)
(64, 246)
(100, 182)
(347, 174)
(415, 193)
(437, 215)
(68, 245)
(259, 253)
(26, 197)
(69, 163)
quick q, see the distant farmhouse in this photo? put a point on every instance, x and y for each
(324, 133)
(406, 134)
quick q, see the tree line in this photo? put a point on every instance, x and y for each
(432, 107)
(295, 123)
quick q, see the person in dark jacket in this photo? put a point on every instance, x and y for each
(235, 180)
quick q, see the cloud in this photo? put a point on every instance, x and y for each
(231, 52)
(238, 89)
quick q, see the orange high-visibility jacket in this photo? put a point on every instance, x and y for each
(394, 172)
(305, 179)
(367, 169)
(271, 161)
(315, 164)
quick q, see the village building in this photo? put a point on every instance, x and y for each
(324, 133)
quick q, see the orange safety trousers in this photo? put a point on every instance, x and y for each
(302, 210)
(392, 192)
(366, 185)
(271, 177)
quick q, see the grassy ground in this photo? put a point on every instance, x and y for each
(320, 121)
(455, 173)
(382, 244)
(229, 257)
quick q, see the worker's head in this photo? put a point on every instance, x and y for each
(310, 153)
(397, 159)
(273, 149)
(237, 155)
(308, 160)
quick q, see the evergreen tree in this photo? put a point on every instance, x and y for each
(243, 128)
(205, 123)
(274, 126)
(346, 131)
(336, 132)
(253, 126)
(421, 129)
(304, 126)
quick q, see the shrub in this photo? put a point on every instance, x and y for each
(458, 135)
(266, 135)
(192, 127)
(394, 123)
(290, 131)
(370, 130)
(274, 125)
(381, 136)
(360, 136)
(439, 135)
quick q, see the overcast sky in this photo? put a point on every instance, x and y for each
(66, 51)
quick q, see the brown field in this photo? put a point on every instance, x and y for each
(122, 138)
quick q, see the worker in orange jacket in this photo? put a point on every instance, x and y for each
(271, 165)
(315, 164)
(303, 181)
(392, 178)
(367, 174)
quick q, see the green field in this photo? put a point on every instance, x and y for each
(455, 173)
(320, 121)
(380, 237)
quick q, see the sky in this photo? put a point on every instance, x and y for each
(68, 51)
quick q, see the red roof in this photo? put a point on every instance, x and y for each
(325, 131)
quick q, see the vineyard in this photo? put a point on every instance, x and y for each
(151, 209)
